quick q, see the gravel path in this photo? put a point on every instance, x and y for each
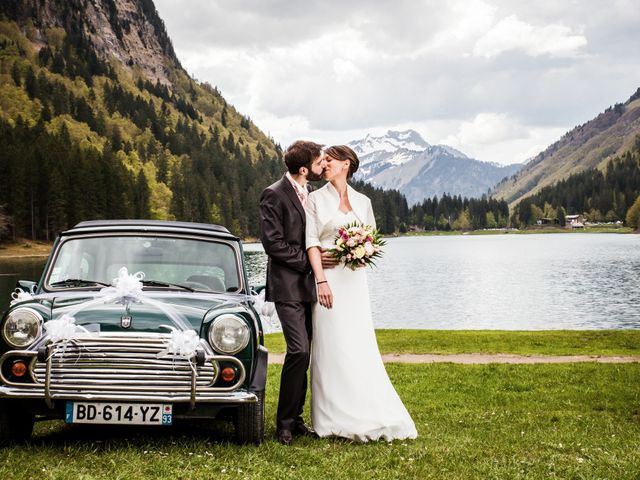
(484, 358)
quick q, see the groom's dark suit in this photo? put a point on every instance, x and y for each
(291, 286)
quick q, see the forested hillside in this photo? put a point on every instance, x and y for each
(99, 121)
(585, 147)
(602, 195)
(84, 137)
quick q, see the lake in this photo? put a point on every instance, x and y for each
(503, 282)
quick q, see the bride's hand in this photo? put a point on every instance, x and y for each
(325, 297)
(329, 260)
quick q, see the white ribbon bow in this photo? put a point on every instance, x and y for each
(19, 296)
(183, 343)
(63, 329)
(267, 312)
(125, 289)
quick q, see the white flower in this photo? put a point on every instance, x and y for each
(359, 252)
(368, 248)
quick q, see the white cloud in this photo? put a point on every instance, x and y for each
(498, 78)
(486, 128)
(345, 71)
(498, 138)
(510, 33)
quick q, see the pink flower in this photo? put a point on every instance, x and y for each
(351, 242)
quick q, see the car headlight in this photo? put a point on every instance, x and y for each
(228, 334)
(22, 327)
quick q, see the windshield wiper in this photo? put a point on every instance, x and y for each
(78, 282)
(158, 283)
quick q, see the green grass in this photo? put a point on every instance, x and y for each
(555, 342)
(577, 421)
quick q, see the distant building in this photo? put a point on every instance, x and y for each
(574, 221)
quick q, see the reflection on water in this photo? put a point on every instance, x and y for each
(511, 282)
(12, 270)
(256, 264)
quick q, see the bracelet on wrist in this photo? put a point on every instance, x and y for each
(323, 281)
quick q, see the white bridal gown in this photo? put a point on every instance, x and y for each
(351, 394)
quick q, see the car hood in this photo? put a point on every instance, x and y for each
(154, 310)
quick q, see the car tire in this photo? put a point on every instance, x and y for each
(249, 422)
(15, 426)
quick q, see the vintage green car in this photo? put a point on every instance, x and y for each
(135, 322)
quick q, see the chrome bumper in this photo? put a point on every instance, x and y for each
(38, 393)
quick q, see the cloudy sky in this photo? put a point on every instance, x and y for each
(499, 80)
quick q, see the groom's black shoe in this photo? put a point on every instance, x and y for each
(285, 437)
(301, 430)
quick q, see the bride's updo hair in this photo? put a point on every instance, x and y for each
(344, 154)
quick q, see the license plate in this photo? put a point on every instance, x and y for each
(119, 413)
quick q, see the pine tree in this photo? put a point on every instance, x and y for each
(141, 197)
(562, 213)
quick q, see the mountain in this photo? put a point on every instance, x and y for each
(406, 162)
(587, 146)
(99, 120)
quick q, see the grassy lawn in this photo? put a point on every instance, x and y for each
(577, 421)
(555, 342)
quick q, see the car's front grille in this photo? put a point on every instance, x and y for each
(121, 363)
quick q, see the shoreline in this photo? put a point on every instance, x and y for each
(25, 249)
(513, 231)
(38, 249)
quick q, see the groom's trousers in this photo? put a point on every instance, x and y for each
(295, 318)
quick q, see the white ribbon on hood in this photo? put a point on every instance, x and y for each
(125, 290)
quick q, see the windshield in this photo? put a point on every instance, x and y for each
(167, 262)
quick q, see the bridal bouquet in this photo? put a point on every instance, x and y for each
(357, 245)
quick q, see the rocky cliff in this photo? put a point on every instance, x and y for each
(129, 31)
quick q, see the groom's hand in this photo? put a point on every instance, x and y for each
(328, 259)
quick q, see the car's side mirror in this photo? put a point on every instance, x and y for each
(26, 286)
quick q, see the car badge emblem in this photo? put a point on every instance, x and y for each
(125, 321)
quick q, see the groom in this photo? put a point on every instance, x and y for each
(290, 282)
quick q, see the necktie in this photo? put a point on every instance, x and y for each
(302, 195)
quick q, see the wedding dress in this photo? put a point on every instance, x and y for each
(351, 394)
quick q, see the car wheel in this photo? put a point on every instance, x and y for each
(15, 425)
(249, 421)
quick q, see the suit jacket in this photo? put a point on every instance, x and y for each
(322, 206)
(282, 232)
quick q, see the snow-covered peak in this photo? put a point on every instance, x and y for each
(452, 151)
(390, 143)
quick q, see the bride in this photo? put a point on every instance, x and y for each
(351, 394)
